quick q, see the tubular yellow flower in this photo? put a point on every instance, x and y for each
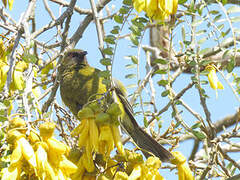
(152, 165)
(117, 139)
(50, 171)
(139, 5)
(83, 135)
(138, 169)
(67, 166)
(41, 158)
(87, 162)
(171, 6)
(122, 176)
(106, 140)
(93, 135)
(58, 147)
(18, 78)
(27, 152)
(3, 74)
(79, 128)
(156, 9)
(136, 173)
(184, 173)
(16, 155)
(11, 173)
(213, 79)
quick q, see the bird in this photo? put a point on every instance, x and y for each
(79, 81)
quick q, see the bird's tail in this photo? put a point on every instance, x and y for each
(148, 145)
(143, 140)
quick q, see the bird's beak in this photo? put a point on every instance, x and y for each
(84, 53)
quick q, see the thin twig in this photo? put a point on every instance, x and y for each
(98, 25)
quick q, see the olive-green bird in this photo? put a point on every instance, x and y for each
(79, 81)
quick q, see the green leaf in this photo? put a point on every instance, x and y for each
(130, 76)
(202, 40)
(194, 79)
(177, 124)
(131, 86)
(130, 66)
(160, 61)
(226, 32)
(173, 114)
(217, 18)
(233, 9)
(224, 2)
(138, 23)
(165, 93)
(205, 62)
(187, 42)
(108, 51)
(192, 7)
(124, 10)
(204, 82)
(115, 30)
(200, 32)
(214, 12)
(178, 102)
(192, 63)
(197, 22)
(127, 2)
(29, 58)
(110, 39)
(182, 1)
(200, 9)
(183, 33)
(135, 30)
(161, 71)
(162, 82)
(134, 39)
(196, 125)
(231, 65)
(142, 20)
(220, 26)
(118, 19)
(106, 61)
(145, 122)
(199, 135)
(134, 59)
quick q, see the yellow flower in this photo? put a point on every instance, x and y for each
(18, 79)
(143, 170)
(156, 9)
(67, 167)
(121, 176)
(139, 5)
(213, 79)
(3, 73)
(44, 169)
(106, 140)
(11, 173)
(184, 173)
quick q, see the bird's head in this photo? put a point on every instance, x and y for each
(74, 58)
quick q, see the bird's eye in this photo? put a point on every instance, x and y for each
(74, 54)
